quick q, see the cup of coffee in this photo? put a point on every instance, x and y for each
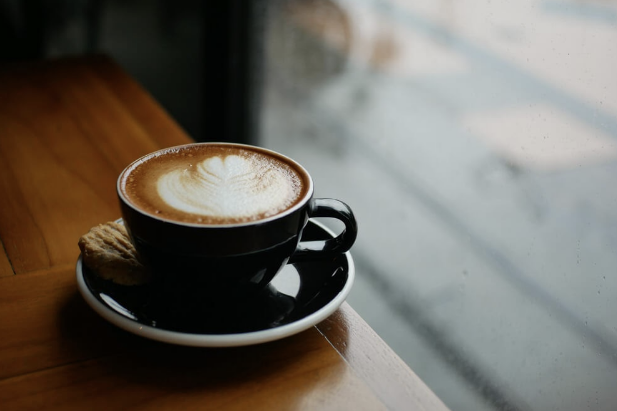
(224, 217)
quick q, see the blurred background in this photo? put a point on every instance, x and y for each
(475, 140)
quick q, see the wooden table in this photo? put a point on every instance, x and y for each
(67, 129)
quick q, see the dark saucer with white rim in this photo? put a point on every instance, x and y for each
(300, 296)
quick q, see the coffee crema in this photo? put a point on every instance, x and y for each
(213, 184)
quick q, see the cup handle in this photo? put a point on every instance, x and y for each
(319, 250)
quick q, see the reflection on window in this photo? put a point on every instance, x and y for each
(477, 143)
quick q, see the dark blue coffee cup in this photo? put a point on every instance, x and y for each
(234, 258)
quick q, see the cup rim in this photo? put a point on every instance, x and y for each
(301, 203)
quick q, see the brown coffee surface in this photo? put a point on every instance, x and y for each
(213, 184)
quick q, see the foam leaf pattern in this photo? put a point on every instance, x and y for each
(229, 187)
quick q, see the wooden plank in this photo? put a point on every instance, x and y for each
(267, 377)
(67, 133)
(376, 364)
(45, 323)
(55, 352)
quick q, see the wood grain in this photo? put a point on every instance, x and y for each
(68, 129)
(45, 323)
(157, 380)
(56, 352)
(375, 362)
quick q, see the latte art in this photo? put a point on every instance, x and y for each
(229, 187)
(214, 183)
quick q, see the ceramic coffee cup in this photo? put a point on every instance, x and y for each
(224, 217)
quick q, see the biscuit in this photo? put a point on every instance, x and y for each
(107, 250)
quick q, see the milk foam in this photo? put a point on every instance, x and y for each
(229, 186)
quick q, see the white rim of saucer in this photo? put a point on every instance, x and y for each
(218, 340)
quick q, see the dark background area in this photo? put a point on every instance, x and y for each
(200, 60)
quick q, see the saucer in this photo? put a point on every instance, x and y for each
(300, 296)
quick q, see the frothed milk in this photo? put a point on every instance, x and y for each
(214, 184)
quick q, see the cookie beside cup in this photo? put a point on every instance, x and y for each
(108, 251)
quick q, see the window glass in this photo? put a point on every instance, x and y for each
(477, 143)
